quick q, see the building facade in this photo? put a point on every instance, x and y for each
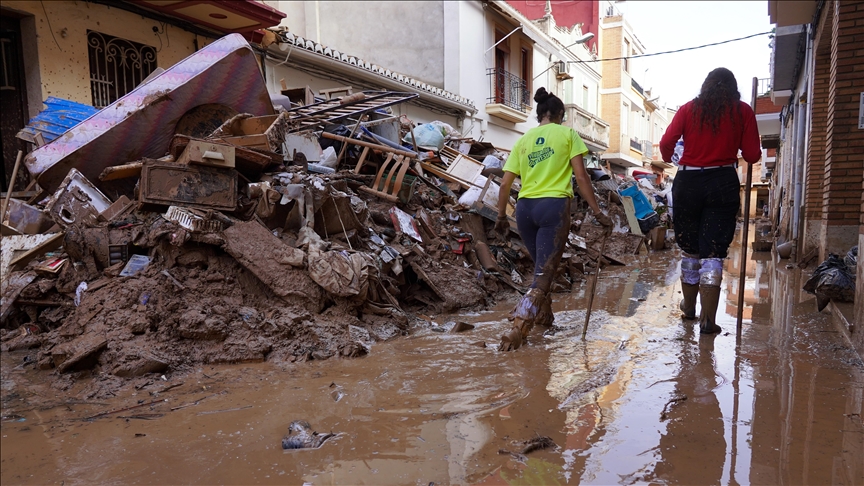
(817, 77)
(95, 52)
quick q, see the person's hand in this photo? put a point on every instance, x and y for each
(603, 219)
(502, 225)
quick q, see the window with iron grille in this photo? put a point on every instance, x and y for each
(117, 66)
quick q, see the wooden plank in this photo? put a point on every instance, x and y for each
(257, 141)
(465, 168)
(50, 244)
(630, 211)
(255, 125)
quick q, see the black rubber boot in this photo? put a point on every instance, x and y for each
(709, 296)
(688, 304)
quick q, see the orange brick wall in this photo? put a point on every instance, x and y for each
(844, 154)
(765, 105)
(813, 200)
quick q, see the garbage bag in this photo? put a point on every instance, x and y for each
(851, 261)
(832, 280)
(428, 136)
(649, 222)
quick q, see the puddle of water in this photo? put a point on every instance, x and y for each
(766, 408)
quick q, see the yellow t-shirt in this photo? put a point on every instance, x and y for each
(542, 159)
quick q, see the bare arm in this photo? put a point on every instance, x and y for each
(584, 183)
(504, 192)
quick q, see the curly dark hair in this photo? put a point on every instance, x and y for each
(548, 105)
(719, 94)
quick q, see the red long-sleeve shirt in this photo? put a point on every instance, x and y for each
(702, 148)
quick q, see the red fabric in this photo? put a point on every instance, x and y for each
(702, 148)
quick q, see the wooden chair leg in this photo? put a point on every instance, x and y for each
(362, 160)
(382, 170)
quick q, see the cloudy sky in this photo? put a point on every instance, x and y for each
(669, 25)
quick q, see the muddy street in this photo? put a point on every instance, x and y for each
(644, 399)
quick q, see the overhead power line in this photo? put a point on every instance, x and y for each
(660, 53)
(676, 50)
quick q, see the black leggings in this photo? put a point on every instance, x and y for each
(705, 204)
(544, 224)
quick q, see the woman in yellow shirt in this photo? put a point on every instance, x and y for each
(546, 158)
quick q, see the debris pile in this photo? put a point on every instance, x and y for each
(181, 226)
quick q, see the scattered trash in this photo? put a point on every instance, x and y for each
(301, 436)
(135, 264)
(250, 231)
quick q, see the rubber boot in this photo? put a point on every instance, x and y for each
(546, 317)
(525, 316)
(688, 304)
(709, 296)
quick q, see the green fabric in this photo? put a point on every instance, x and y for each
(542, 159)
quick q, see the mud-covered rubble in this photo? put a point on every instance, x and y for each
(303, 234)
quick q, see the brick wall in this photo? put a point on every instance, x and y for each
(844, 154)
(765, 105)
(813, 199)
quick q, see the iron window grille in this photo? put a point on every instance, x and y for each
(117, 66)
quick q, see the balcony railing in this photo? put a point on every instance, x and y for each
(637, 87)
(763, 87)
(507, 89)
(588, 126)
(647, 149)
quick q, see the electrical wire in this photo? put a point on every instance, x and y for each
(660, 53)
(49, 25)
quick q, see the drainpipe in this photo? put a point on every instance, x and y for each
(802, 124)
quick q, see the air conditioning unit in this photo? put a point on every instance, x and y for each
(562, 70)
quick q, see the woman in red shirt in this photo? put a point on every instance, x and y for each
(706, 193)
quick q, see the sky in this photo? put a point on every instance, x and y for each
(669, 25)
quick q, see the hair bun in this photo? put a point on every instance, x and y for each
(541, 95)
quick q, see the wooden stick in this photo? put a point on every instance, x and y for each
(345, 145)
(11, 185)
(594, 281)
(745, 231)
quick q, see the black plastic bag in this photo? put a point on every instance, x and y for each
(832, 280)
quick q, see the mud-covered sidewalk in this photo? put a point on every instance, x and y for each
(644, 399)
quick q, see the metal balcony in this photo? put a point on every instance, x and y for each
(593, 130)
(509, 97)
(647, 150)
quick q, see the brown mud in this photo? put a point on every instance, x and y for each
(644, 399)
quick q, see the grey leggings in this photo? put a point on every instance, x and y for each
(544, 224)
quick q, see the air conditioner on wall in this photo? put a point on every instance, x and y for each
(562, 70)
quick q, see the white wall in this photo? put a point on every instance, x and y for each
(407, 37)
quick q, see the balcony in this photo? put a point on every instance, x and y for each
(647, 150)
(636, 145)
(637, 87)
(593, 130)
(509, 96)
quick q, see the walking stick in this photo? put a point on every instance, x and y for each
(746, 230)
(11, 186)
(594, 281)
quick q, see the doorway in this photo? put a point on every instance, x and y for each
(13, 100)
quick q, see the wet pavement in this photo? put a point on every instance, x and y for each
(644, 399)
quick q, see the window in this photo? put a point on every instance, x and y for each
(626, 55)
(585, 97)
(526, 61)
(117, 66)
